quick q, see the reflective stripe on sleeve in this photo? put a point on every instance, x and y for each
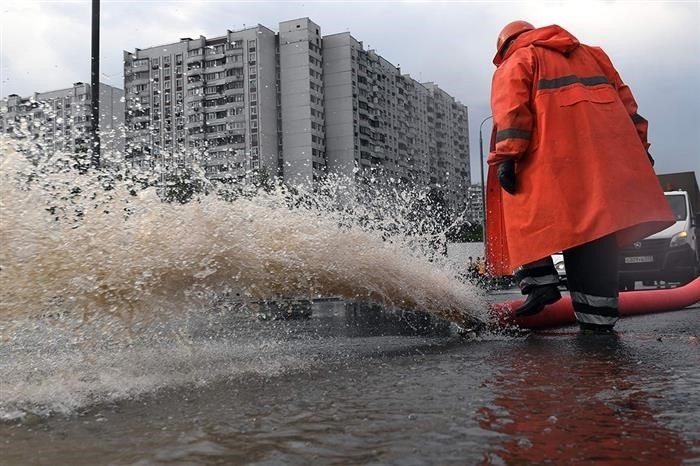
(516, 133)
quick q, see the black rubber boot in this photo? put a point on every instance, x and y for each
(596, 329)
(537, 299)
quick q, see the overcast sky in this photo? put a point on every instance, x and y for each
(45, 45)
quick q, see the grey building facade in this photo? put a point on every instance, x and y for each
(475, 204)
(60, 120)
(203, 99)
(295, 103)
(380, 119)
(303, 151)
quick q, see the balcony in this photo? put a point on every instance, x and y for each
(140, 67)
(217, 81)
(209, 54)
(217, 121)
(212, 68)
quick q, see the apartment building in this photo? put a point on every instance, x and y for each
(295, 103)
(475, 204)
(302, 123)
(380, 119)
(60, 120)
(214, 100)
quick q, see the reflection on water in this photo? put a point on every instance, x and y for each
(582, 402)
(362, 319)
(334, 390)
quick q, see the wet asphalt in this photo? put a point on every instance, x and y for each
(355, 384)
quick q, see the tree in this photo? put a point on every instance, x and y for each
(183, 186)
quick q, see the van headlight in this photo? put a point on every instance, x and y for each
(679, 239)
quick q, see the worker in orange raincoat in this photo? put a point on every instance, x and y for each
(569, 170)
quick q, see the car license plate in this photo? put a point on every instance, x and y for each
(638, 259)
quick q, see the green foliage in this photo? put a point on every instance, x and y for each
(182, 187)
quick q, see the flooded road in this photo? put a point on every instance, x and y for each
(356, 385)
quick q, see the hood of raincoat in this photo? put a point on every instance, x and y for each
(552, 37)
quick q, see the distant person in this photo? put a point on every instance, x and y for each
(569, 170)
(472, 268)
(481, 266)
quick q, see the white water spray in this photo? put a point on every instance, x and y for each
(136, 256)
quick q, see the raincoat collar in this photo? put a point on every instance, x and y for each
(552, 37)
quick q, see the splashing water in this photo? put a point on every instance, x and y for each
(71, 246)
(132, 256)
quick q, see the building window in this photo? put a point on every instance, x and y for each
(214, 49)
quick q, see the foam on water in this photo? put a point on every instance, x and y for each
(65, 378)
(121, 254)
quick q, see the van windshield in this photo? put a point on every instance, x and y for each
(677, 203)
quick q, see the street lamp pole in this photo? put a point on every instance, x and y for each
(95, 84)
(483, 190)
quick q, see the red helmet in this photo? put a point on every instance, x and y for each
(511, 31)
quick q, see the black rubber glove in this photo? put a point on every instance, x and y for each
(506, 176)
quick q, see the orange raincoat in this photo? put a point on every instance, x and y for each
(562, 112)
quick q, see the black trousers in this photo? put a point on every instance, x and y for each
(592, 275)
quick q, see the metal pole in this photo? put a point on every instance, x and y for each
(483, 189)
(95, 84)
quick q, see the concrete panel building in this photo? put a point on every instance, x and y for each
(295, 103)
(213, 100)
(301, 98)
(60, 120)
(379, 119)
(475, 205)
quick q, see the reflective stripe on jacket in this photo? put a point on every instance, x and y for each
(563, 113)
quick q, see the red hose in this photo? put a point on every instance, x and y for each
(631, 303)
